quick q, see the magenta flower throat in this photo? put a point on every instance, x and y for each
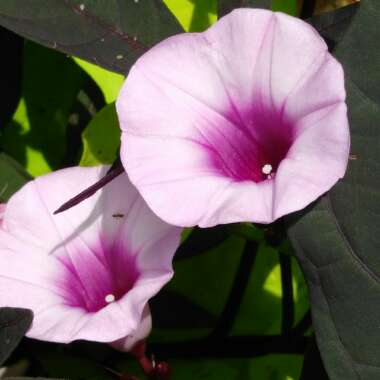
(248, 146)
(91, 281)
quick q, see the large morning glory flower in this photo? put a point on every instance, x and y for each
(87, 273)
(244, 122)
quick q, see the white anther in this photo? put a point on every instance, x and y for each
(110, 298)
(81, 7)
(267, 169)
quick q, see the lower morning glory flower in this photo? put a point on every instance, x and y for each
(87, 273)
(246, 121)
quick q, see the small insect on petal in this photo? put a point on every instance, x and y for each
(92, 284)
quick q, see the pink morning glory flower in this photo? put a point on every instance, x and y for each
(89, 272)
(244, 122)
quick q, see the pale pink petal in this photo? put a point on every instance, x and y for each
(205, 116)
(2, 211)
(84, 273)
(316, 160)
(143, 330)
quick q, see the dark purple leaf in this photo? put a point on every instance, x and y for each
(337, 239)
(110, 33)
(14, 323)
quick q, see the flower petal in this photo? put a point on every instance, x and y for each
(317, 159)
(90, 277)
(204, 116)
(145, 325)
(2, 211)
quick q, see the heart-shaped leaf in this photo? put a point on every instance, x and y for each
(333, 25)
(337, 239)
(14, 323)
(109, 33)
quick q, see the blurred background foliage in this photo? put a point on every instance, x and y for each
(65, 115)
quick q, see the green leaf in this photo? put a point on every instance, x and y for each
(14, 323)
(287, 6)
(194, 300)
(73, 367)
(187, 315)
(201, 240)
(109, 33)
(337, 239)
(312, 364)
(333, 25)
(101, 138)
(10, 74)
(226, 6)
(194, 15)
(36, 137)
(31, 378)
(12, 177)
(109, 82)
(270, 367)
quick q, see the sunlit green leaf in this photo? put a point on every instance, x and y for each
(36, 137)
(287, 6)
(108, 81)
(194, 15)
(101, 138)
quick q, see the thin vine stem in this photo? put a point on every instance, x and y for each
(287, 294)
(235, 298)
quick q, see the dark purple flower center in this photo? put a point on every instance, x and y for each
(249, 146)
(93, 278)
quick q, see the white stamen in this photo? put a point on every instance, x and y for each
(110, 298)
(267, 169)
(81, 7)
